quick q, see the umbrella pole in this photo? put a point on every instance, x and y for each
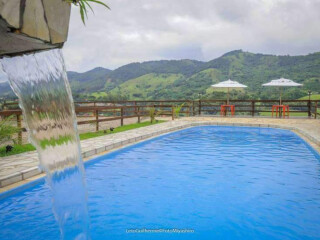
(228, 97)
(280, 95)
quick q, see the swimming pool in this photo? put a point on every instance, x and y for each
(208, 182)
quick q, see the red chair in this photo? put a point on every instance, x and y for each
(277, 108)
(224, 108)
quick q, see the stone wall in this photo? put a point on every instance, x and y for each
(32, 25)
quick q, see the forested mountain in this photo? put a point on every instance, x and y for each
(177, 79)
(89, 81)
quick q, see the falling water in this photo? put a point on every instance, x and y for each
(40, 82)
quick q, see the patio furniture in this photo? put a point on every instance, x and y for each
(284, 109)
(224, 108)
(229, 85)
(281, 83)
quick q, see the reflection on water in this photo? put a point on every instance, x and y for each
(40, 82)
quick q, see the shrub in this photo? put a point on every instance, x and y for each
(153, 113)
(177, 110)
(7, 131)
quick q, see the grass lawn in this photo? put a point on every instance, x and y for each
(16, 149)
(313, 97)
(28, 147)
(292, 114)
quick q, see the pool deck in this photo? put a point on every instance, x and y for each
(20, 169)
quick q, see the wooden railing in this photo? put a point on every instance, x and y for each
(104, 111)
(212, 107)
(112, 113)
(101, 114)
(251, 107)
(196, 107)
(260, 107)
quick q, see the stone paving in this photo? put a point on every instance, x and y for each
(22, 168)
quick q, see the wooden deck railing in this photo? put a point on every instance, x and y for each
(212, 107)
(104, 111)
(196, 107)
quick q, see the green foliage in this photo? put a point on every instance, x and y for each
(98, 95)
(153, 113)
(7, 130)
(177, 109)
(84, 5)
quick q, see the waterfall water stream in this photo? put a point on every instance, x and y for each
(40, 82)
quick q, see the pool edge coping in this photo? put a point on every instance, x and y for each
(36, 176)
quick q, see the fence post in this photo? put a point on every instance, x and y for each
(138, 113)
(252, 107)
(199, 107)
(172, 112)
(19, 125)
(96, 112)
(121, 116)
(161, 108)
(193, 109)
(188, 111)
(309, 108)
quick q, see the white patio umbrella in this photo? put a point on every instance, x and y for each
(229, 84)
(282, 82)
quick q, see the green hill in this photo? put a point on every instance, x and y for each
(180, 79)
(148, 86)
(88, 81)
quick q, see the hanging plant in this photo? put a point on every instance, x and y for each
(84, 5)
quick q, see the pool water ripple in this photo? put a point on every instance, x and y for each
(221, 182)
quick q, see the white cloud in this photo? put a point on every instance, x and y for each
(143, 30)
(172, 29)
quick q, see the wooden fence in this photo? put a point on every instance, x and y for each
(101, 114)
(104, 111)
(212, 107)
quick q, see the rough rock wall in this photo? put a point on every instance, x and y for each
(32, 25)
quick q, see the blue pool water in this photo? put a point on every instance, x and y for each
(217, 182)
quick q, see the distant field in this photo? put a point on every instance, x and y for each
(292, 114)
(99, 94)
(313, 97)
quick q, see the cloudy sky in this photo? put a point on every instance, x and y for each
(142, 30)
